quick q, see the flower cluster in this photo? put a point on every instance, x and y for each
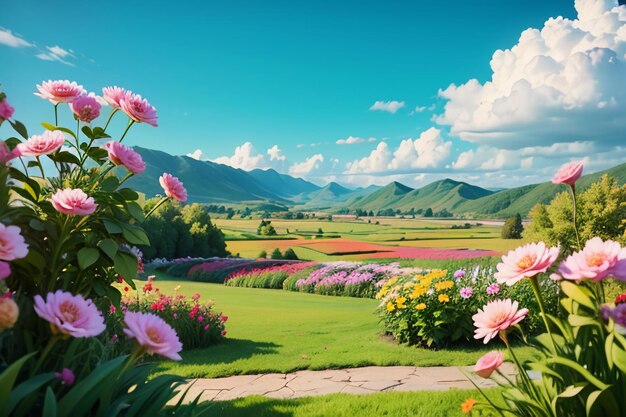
(266, 277)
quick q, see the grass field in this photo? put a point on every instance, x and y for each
(283, 331)
(394, 232)
(393, 404)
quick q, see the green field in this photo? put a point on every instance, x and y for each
(283, 331)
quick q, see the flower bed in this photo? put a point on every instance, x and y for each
(218, 270)
(434, 309)
(272, 277)
(195, 322)
(348, 278)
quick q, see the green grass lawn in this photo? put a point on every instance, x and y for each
(394, 404)
(283, 331)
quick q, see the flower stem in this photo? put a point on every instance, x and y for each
(156, 206)
(56, 114)
(41, 168)
(130, 123)
(535, 284)
(46, 352)
(109, 120)
(573, 192)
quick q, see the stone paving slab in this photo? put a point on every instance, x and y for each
(365, 380)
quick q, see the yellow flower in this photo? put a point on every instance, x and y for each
(418, 291)
(443, 298)
(444, 285)
(420, 306)
(391, 281)
(176, 288)
(400, 302)
(382, 292)
(390, 306)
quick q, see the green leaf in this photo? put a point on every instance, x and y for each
(87, 131)
(111, 227)
(136, 211)
(62, 129)
(580, 321)
(605, 400)
(578, 368)
(97, 153)
(128, 194)
(126, 265)
(109, 247)
(12, 142)
(26, 388)
(7, 379)
(32, 164)
(19, 128)
(99, 133)
(65, 156)
(87, 257)
(49, 404)
(573, 390)
(619, 357)
(579, 294)
(135, 235)
(110, 183)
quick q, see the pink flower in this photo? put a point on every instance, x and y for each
(60, 91)
(138, 109)
(200, 318)
(466, 292)
(497, 316)
(175, 315)
(12, 244)
(196, 296)
(73, 202)
(223, 333)
(123, 155)
(153, 334)
(114, 338)
(597, 260)
(6, 154)
(493, 288)
(85, 108)
(525, 262)
(113, 95)
(6, 110)
(173, 187)
(66, 376)
(568, 173)
(489, 363)
(70, 314)
(9, 312)
(37, 145)
(223, 319)
(5, 270)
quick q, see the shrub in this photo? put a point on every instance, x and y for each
(513, 228)
(276, 254)
(290, 254)
(434, 309)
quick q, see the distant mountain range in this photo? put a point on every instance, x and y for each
(209, 182)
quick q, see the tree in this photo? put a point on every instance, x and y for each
(512, 228)
(265, 228)
(320, 231)
(428, 212)
(290, 255)
(601, 212)
(276, 254)
(263, 254)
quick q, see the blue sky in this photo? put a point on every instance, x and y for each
(303, 75)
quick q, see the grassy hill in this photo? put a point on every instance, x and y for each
(385, 197)
(323, 198)
(445, 194)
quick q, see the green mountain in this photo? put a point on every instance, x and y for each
(281, 184)
(323, 198)
(385, 197)
(520, 200)
(444, 194)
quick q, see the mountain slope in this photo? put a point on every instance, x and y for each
(444, 194)
(384, 197)
(326, 197)
(281, 184)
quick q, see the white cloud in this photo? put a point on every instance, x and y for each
(8, 38)
(563, 83)
(56, 53)
(307, 167)
(430, 150)
(388, 106)
(244, 158)
(275, 154)
(308, 145)
(197, 154)
(353, 140)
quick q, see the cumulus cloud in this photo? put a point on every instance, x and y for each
(56, 53)
(8, 38)
(388, 106)
(353, 140)
(563, 83)
(197, 154)
(308, 166)
(276, 154)
(245, 157)
(430, 150)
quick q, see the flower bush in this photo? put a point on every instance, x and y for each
(195, 322)
(219, 270)
(65, 237)
(582, 366)
(271, 277)
(435, 308)
(348, 278)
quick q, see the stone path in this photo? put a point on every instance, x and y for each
(365, 380)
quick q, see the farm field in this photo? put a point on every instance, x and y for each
(350, 239)
(283, 331)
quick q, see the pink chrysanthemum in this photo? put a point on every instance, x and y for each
(493, 288)
(597, 260)
(6, 110)
(123, 155)
(85, 108)
(173, 187)
(70, 314)
(495, 317)
(153, 334)
(12, 244)
(6, 155)
(568, 173)
(73, 201)
(488, 363)
(60, 91)
(38, 145)
(525, 262)
(138, 109)
(113, 96)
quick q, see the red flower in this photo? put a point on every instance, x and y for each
(621, 299)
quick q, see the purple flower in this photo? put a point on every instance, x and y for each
(66, 376)
(466, 292)
(460, 273)
(618, 314)
(493, 288)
